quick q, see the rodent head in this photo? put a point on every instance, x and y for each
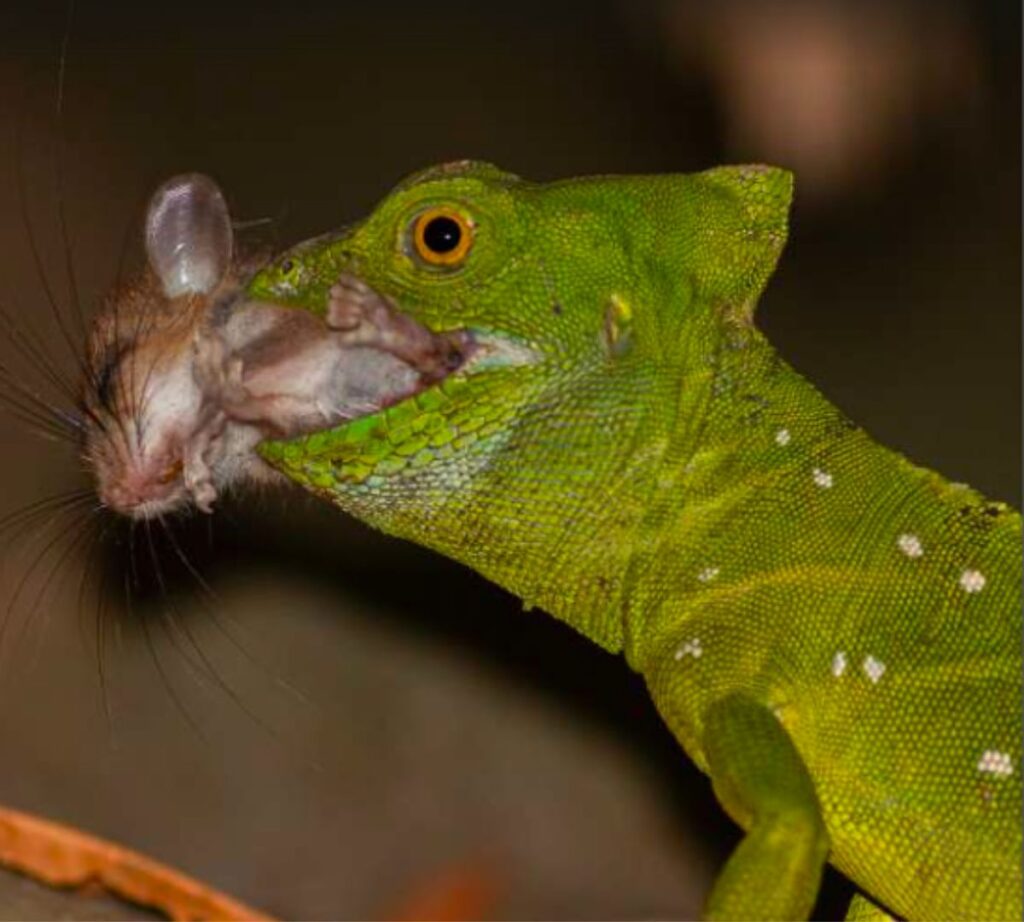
(142, 403)
(186, 375)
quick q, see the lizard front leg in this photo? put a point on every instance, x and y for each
(861, 909)
(762, 781)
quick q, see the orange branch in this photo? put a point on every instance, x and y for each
(64, 857)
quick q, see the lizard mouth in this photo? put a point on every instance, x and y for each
(360, 317)
(289, 372)
(268, 374)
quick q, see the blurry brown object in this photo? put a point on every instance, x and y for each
(835, 91)
(64, 857)
(455, 894)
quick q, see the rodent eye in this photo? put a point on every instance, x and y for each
(442, 237)
(104, 379)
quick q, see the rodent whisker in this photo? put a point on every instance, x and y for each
(179, 552)
(215, 619)
(176, 624)
(80, 533)
(40, 426)
(73, 347)
(35, 411)
(70, 534)
(48, 505)
(33, 349)
(94, 571)
(62, 221)
(166, 620)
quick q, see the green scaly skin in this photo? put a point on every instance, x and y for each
(832, 633)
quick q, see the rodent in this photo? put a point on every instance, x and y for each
(185, 375)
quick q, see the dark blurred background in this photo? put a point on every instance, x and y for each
(348, 722)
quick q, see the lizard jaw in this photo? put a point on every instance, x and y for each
(277, 374)
(446, 366)
(361, 316)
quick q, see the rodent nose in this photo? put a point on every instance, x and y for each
(121, 497)
(129, 492)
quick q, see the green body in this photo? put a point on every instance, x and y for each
(832, 633)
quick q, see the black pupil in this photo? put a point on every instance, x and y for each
(442, 235)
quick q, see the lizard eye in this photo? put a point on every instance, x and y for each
(442, 237)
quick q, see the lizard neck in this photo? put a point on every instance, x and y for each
(641, 458)
(770, 500)
(595, 481)
(749, 432)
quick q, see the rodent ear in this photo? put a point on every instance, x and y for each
(188, 235)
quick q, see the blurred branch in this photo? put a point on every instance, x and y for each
(63, 857)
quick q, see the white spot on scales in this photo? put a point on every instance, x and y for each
(838, 663)
(708, 574)
(782, 437)
(972, 581)
(822, 478)
(910, 545)
(873, 668)
(690, 648)
(995, 763)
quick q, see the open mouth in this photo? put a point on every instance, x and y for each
(268, 373)
(361, 318)
(301, 373)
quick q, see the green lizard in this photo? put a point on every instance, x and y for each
(832, 633)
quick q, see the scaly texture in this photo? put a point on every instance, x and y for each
(831, 632)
